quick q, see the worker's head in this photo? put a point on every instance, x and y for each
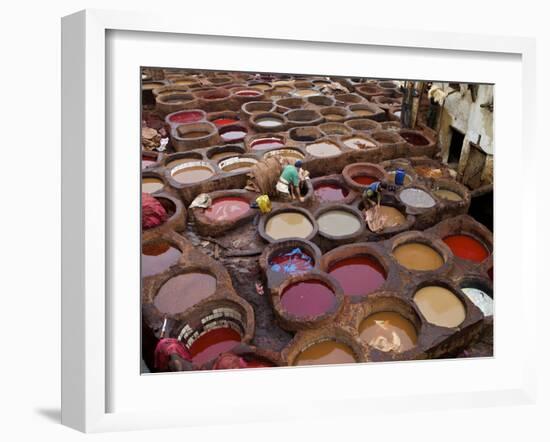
(298, 164)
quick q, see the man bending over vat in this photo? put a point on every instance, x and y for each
(372, 195)
(288, 185)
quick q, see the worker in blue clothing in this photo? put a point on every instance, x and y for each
(372, 195)
(288, 185)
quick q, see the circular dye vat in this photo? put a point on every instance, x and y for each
(414, 139)
(330, 192)
(306, 92)
(186, 117)
(358, 275)
(147, 162)
(193, 174)
(358, 143)
(237, 164)
(307, 299)
(447, 195)
(157, 257)
(363, 112)
(266, 143)
(151, 185)
(224, 154)
(288, 225)
(392, 216)
(440, 306)
(248, 93)
(179, 161)
(481, 299)
(227, 209)
(233, 135)
(338, 223)
(417, 198)
(293, 262)
(213, 343)
(195, 134)
(388, 331)
(224, 121)
(364, 180)
(325, 352)
(183, 291)
(290, 155)
(418, 256)
(323, 149)
(268, 122)
(466, 247)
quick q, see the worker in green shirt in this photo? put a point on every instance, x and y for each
(288, 185)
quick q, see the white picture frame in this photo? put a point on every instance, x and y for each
(87, 211)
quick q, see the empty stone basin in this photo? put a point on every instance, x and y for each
(184, 291)
(303, 117)
(358, 275)
(324, 352)
(323, 149)
(254, 107)
(305, 133)
(192, 172)
(334, 113)
(418, 256)
(363, 125)
(227, 209)
(285, 104)
(388, 331)
(237, 164)
(334, 129)
(338, 223)
(417, 198)
(308, 298)
(467, 247)
(320, 100)
(158, 256)
(357, 142)
(289, 224)
(440, 306)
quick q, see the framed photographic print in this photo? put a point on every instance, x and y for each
(273, 222)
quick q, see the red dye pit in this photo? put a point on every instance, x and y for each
(186, 117)
(308, 298)
(331, 192)
(364, 180)
(466, 247)
(359, 275)
(266, 143)
(224, 121)
(227, 209)
(157, 257)
(213, 343)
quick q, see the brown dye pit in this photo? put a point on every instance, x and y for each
(326, 352)
(323, 149)
(414, 139)
(157, 257)
(447, 195)
(222, 155)
(151, 185)
(338, 223)
(192, 174)
(392, 216)
(417, 256)
(195, 134)
(388, 331)
(184, 291)
(178, 161)
(440, 306)
(288, 225)
(363, 112)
